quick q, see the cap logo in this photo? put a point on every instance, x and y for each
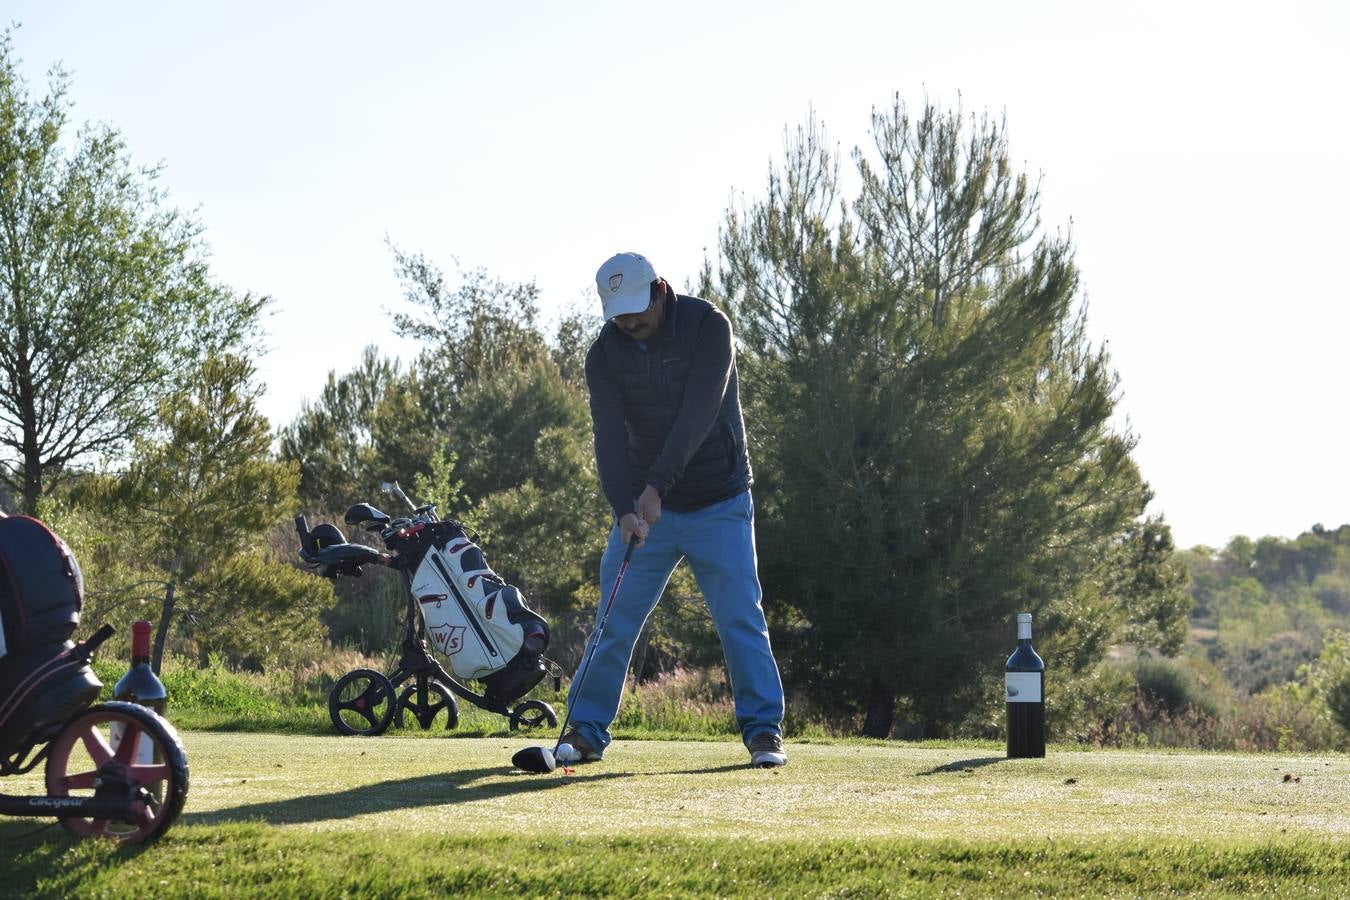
(614, 282)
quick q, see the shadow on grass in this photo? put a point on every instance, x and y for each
(17, 832)
(402, 793)
(464, 786)
(40, 850)
(962, 765)
(734, 767)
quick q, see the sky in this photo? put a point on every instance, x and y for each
(1196, 152)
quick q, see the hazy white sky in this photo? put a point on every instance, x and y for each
(1199, 149)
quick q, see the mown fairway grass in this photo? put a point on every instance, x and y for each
(286, 815)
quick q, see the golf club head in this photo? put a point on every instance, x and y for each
(541, 760)
(537, 760)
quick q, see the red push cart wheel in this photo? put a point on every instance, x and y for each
(120, 750)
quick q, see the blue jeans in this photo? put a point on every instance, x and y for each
(719, 542)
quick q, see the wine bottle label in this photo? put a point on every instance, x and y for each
(145, 748)
(1023, 687)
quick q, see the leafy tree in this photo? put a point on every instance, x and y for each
(490, 417)
(1152, 585)
(930, 426)
(202, 494)
(440, 486)
(333, 439)
(1280, 562)
(576, 329)
(489, 383)
(483, 355)
(472, 331)
(498, 421)
(546, 534)
(1240, 554)
(1331, 676)
(486, 384)
(105, 296)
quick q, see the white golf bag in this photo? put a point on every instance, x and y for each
(477, 620)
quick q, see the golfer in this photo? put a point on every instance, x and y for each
(670, 449)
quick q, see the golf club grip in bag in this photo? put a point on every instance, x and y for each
(479, 622)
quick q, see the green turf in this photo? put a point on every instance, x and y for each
(273, 815)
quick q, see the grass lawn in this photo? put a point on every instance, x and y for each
(286, 815)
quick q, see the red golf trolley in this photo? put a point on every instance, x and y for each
(114, 770)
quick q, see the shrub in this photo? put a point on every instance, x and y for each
(369, 611)
(1329, 677)
(689, 701)
(1273, 661)
(1173, 685)
(219, 696)
(1332, 590)
(1084, 708)
(1282, 718)
(1338, 700)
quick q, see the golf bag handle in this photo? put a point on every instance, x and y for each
(306, 539)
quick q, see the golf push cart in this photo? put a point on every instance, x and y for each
(114, 770)
(476, 620)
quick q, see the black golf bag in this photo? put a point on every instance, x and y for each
(42, 682)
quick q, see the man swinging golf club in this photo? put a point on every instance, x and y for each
(671, 452)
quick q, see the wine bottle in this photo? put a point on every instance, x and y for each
(140, 685)
(1024, 685)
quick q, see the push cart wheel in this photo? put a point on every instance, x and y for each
(404, 678)
(362, 703)
(426, 707)
(115, 751)
(532, 714)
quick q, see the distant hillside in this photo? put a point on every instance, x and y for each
(1263, 607)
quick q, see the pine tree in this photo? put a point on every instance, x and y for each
(203, 493)
(930, 425)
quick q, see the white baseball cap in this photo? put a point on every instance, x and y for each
(625, 284)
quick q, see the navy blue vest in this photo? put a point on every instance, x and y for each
(652, 380)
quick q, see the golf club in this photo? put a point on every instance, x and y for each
(541, 760)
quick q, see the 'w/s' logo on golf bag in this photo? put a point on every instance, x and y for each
(450, 639)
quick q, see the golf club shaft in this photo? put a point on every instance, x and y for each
(595, 639)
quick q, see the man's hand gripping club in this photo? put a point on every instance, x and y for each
(640, 523)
